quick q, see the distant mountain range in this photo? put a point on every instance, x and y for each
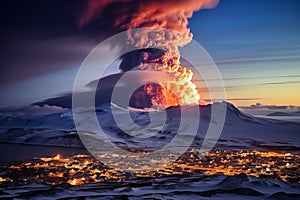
(284, 114)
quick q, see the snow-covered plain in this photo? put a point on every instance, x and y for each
(174, 187)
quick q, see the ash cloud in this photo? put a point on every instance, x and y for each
(129, 14)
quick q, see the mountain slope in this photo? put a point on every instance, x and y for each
(240, 130)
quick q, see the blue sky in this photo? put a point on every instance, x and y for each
(259, 39)
(244, 31)
(256, 45)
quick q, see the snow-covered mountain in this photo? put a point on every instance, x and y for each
(240, 130)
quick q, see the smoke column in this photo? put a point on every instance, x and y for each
(170, 15)
(130, 14)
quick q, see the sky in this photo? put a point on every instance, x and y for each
(255, 44)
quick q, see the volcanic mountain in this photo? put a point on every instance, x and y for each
(241, 131)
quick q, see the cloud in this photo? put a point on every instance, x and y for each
(260, 109)
(119, 15)
(234, 99)
(280, 83)
(31, 110)
(252, 78)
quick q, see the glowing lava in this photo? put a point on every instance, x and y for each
(180, 91)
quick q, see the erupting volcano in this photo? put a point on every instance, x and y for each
(159, 24)
(180, 90)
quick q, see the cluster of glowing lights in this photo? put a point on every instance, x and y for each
(84, 169)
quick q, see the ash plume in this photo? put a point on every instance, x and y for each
(129, 14)
(164, 25)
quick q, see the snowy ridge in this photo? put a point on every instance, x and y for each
(240, 129)
(173, 187)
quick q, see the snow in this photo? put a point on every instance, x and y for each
(173, 187)
(240, 129)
